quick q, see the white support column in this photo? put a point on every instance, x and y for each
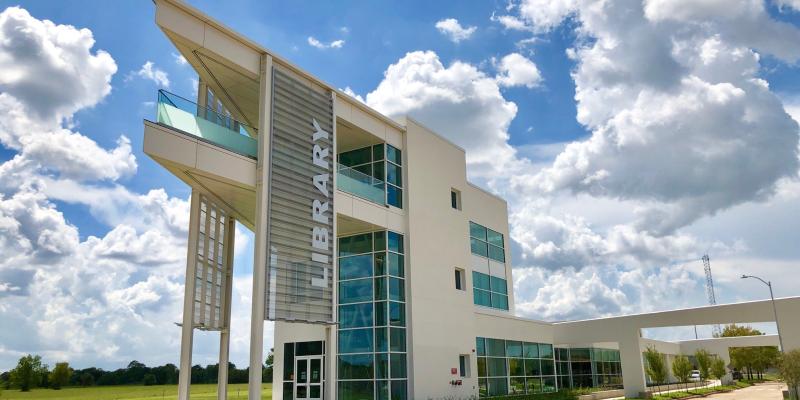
(225, 333)
(632, 365)
(261, 234)
(185, 373)
(202, 97)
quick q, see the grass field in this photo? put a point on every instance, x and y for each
(235, 391)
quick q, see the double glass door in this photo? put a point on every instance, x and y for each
(308, 378)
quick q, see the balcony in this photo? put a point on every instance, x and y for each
(360, 184)
(203, 122)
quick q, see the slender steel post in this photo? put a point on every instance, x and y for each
(774, 307)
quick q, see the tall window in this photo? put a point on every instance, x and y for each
(372, 317)
(382, 162)
(455, 199)
(514, 367)
(488, 290)
(459, 277)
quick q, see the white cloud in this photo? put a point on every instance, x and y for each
(336, 44)
(454, 31)
(510, 22)
(785, 5)
(180, 59)
(516, 70)
(150, 72)
(350, 92)
(544, 15)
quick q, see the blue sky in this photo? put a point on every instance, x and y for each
(624, 142)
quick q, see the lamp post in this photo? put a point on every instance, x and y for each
(774, 309)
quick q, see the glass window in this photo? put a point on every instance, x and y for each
(482, 366)
(397, 289)
(380, 263)
(394, 196)
(309, 348)
(517, 386)
(496, 366)
(532, 368)
(355, 390)
(380, 240)
(477, 231)
(288, 361)
(288, 391)
(494, 238)
(399, 390)
(545, 350)
(548, 384)
(480, 346)
(397, 314)
(395, 263)
(398, 340)
(382, 390)
(482, 297)
(377, 152)
(498, 386)
(382, 366)
(499, 285)
(513, 348)
(459, 276)
(395, 242)
(355, 291)
(531, 350)
(378, 172)
(355, 315)
(455, 199)
(398, 365)
(381, 339)
(358, 244)
(380, 288)
(355, 341)
(548, 368)
(500, 301)
(480, 281)
(355, 157)
(534, 385)
(483, 387)
(516, 367)
(463, 365)
(497, 254)
(355, 366)
(495, 348)
(394, 155)
(355, 267)
(394, 175)
(380, 314)
(478, 247)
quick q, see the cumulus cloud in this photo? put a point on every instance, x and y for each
(517, 70)
(788, 5)
(335, 44)
(453, 30)
(152, 73)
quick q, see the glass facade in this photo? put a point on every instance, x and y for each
(383, 163)
(508, 367)
(302, 349)
(372, 317)
(588, 368)
(487, 290)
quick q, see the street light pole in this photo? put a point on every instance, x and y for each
(774, 308)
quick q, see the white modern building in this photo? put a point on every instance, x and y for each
(388, 274)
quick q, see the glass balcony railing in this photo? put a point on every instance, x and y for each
(360, 184)
(219, 129)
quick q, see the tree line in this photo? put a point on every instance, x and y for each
(31, 372)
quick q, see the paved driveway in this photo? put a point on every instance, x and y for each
(768, 391)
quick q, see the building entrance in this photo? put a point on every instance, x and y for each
(308, 377)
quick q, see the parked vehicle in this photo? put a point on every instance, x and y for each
(695, 376)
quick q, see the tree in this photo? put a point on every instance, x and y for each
(734, 330)
(86, 379)
(718, 369)
(149, 380)
(656, 369)
(267, 373)
(703, 358)
(682, 368)
(28, 373)
(60, 375)
(789, 367)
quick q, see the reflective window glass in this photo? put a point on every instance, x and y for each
(380, 240)
(355, 267)
(397, 314)
(478, 247)
(545, 350)
(532, 367)
(498, 386)
(381, 339)
(382, 366)
(531, 350)
(355, 366)
(355, 157)
(355, 390)
(499, 285)
(355, 315)
(477, 231)
(495, 347)
(480, 281)
(394, 175)
(516, 367)
(380, 288)
(395, 264)
(397, 363)
(480, 346)
(494, 238)
(548, 368)
(497, 254)
(394, 196)
(482, 297)
(395, 242)
(500, 301)
(513, 348)
(377, 152)
(398, 339)
(355, 291)
(397, 289)
(381, 314)
(380, 263)
(357, 244)
(394, 155)
(355, 341)
(399, 391)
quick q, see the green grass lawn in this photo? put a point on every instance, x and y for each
(235, 391)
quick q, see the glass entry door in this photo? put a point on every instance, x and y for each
(308, 378)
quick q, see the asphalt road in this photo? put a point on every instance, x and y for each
(767, 391)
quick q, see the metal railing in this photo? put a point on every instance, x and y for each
(360, 184)
(218, 128)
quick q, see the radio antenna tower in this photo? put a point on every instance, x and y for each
(712, 298)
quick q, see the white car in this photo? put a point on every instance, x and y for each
(695, 376)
